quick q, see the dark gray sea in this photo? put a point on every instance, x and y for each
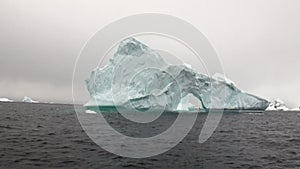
(50, 136)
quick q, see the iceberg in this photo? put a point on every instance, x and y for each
(137, 76)
(5, 100)
(277, 105)
(29, 100)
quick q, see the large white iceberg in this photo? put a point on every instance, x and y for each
(138, 77)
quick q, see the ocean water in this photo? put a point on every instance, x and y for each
(50, 136)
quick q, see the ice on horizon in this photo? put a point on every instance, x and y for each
(156, 79)
(29, 100)
(279, 105)
(5, 100)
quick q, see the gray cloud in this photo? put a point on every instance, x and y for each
(257, 41)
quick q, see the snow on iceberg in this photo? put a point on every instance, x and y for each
(29, 100)
(137, 76)
(5, 100)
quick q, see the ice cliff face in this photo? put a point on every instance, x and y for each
(138, 76)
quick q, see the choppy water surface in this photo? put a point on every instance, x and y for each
(50, 136)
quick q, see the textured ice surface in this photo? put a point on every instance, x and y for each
(137, 76)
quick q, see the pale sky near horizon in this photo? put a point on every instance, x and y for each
(258, 42)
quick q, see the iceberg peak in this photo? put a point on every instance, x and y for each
(130, 46)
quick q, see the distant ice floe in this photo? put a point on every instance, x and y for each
(26, 99)
(257, 114)
(5, 100)
(277, 105)
(29, 100)
(90, 112)
(295, 109)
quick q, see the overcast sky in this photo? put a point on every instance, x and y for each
(258, 41)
